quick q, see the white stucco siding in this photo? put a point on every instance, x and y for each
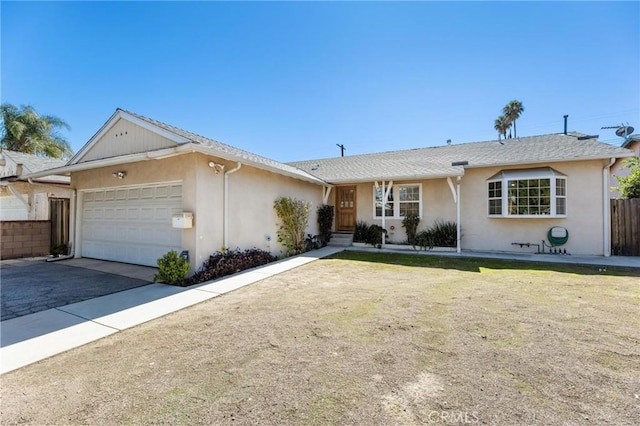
(251, 196)
(253, 221)
(126, 138)
(149, 173)
(584, 219)
(36, 194)
(11, 208)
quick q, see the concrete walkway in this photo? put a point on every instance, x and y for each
(31, 338)
(611, 261)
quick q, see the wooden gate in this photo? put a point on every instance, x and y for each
(59, 211)
(625, 227)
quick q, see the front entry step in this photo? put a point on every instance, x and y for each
(340, 240)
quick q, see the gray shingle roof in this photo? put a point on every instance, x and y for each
(34, 163)
(434, 162)
(231, 153)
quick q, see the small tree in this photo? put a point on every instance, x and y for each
(325, 223)
(294, 216)
(24, 130)
(629, 186)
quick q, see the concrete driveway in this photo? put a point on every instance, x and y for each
(28, 286)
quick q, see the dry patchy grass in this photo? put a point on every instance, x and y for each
(363, 339)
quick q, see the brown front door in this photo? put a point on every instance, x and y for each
(346, 208)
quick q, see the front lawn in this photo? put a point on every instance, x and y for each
(364, 338)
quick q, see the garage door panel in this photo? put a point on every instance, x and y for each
(131, 225)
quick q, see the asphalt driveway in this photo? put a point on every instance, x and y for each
(31, 286)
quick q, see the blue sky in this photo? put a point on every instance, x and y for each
(291, 80)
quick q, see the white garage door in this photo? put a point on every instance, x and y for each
(132, 224)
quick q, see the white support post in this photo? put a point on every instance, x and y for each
(453, 190)
(458, 227)
(326, 191)
(383, 203)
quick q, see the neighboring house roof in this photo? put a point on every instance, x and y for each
(185, 142)
(628, 143)
(32, 164)
(436, 162)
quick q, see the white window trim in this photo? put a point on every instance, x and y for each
(526, 174)
(396, 202)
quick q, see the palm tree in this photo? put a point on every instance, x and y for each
(502, 124)
(24, 130)
(512, 112)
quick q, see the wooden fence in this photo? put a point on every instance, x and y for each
(625, 227)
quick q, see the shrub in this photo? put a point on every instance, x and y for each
(294, 216)
(441, 234)
(423, 240)
(325, 223)
(410, 224)
(172, 269)
(374, 236)
(229, 262)
(444, 233)
(312, 242)
(368, 234)
(360, 232)
(60, 250)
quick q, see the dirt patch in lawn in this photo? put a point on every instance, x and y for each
(350, 341)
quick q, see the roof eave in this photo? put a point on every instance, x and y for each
(559, 160)
(397, 178)
(302, 175)
(166, 153)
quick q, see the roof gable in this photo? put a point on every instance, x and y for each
(174, 141)
(125, 133)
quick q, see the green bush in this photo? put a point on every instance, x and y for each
(629, 186)
(294, 217)
(445, 234)
(410, 224)
(172, 269)
(325, 223)
(360, 232)
(423, 240)
(60, 250)
(368, 234)
(227, 262)
(441, 234)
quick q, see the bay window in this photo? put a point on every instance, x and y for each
(527, 193)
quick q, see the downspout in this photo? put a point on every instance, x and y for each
(606, 208)
(226, 204)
